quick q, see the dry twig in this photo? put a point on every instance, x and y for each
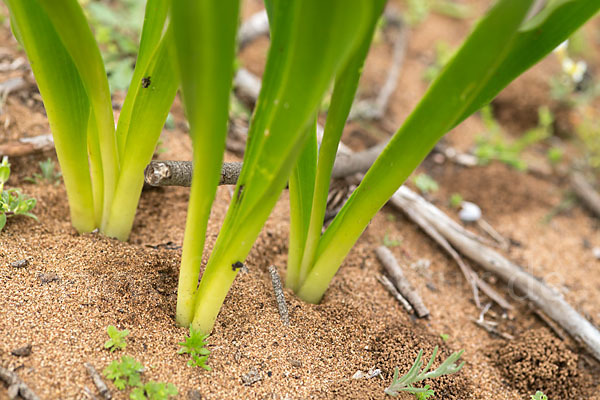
(586, 192)
(26, 146)
(16, 387)
(279, 296)
(385, 281)
(402, 284)
(543, 296)
(100, 385)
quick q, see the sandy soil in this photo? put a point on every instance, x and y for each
(74, 286)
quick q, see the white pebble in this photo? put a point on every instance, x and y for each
(469, 212)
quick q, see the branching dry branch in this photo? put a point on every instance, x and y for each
(542, 295)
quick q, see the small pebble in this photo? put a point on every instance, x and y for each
(596, 253)
(22, 351)
(19, 263)
(295, 363)
(469, 212)
(47, 278)
(194, 395)
(251, 377)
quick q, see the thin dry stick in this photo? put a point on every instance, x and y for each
(179, 173)
(16, 386)
(252, 28)
(279, 296)
(543, 296)
(402, 284)
(26, 146)
(375, 109)
(385, 281)
(97, 379)
(586, 192)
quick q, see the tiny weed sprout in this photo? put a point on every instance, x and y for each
(12, 201)
(391, 242)
(426, 394)
(194, 345)
(539, 396)
(425, 183)
(117, 338)
(48, 173)
(154, 391)
(415, 374)
(456, 200)
(124, 373)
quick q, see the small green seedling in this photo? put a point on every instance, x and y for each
(414, 375)
(12, 201)
(117, 338)
(539, 396)
(49, 173)
(444, 336)
(391, 242)
(455, 200)
(426, 394)
(425, 183)
(154, 391)
(124, 373)
(194, 345)
(555, 155)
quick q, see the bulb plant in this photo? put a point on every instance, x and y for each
(101, 165)
(311, 46)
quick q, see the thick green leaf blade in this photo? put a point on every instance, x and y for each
(76, 36)
(466, 75)
(66, 104)
(205, 41)
(301, 188)
(536, 38)
(151, 105)
(344, 90)
(152, 32)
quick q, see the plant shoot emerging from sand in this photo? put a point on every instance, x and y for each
(195, 346)
(415, 374)
(117, 338)
(12, 201)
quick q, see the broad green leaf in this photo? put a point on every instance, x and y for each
(455, 90)
(72, 28)
(152, 32)
(2, 220)
(344, 90)
(151, 105)
(62, 89)
(205, 42)
(301, 188)
(535, 39)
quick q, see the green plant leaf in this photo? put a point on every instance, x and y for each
(62, 89)
(205, 34)
(301, 187)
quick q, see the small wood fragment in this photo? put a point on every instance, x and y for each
(586, 192)
(179, 173)
(97, 379)
(402, 284)
(385, 281)
(16, 386)
(279, 296)
(26, 146)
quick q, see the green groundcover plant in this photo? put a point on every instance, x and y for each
(314, 44)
